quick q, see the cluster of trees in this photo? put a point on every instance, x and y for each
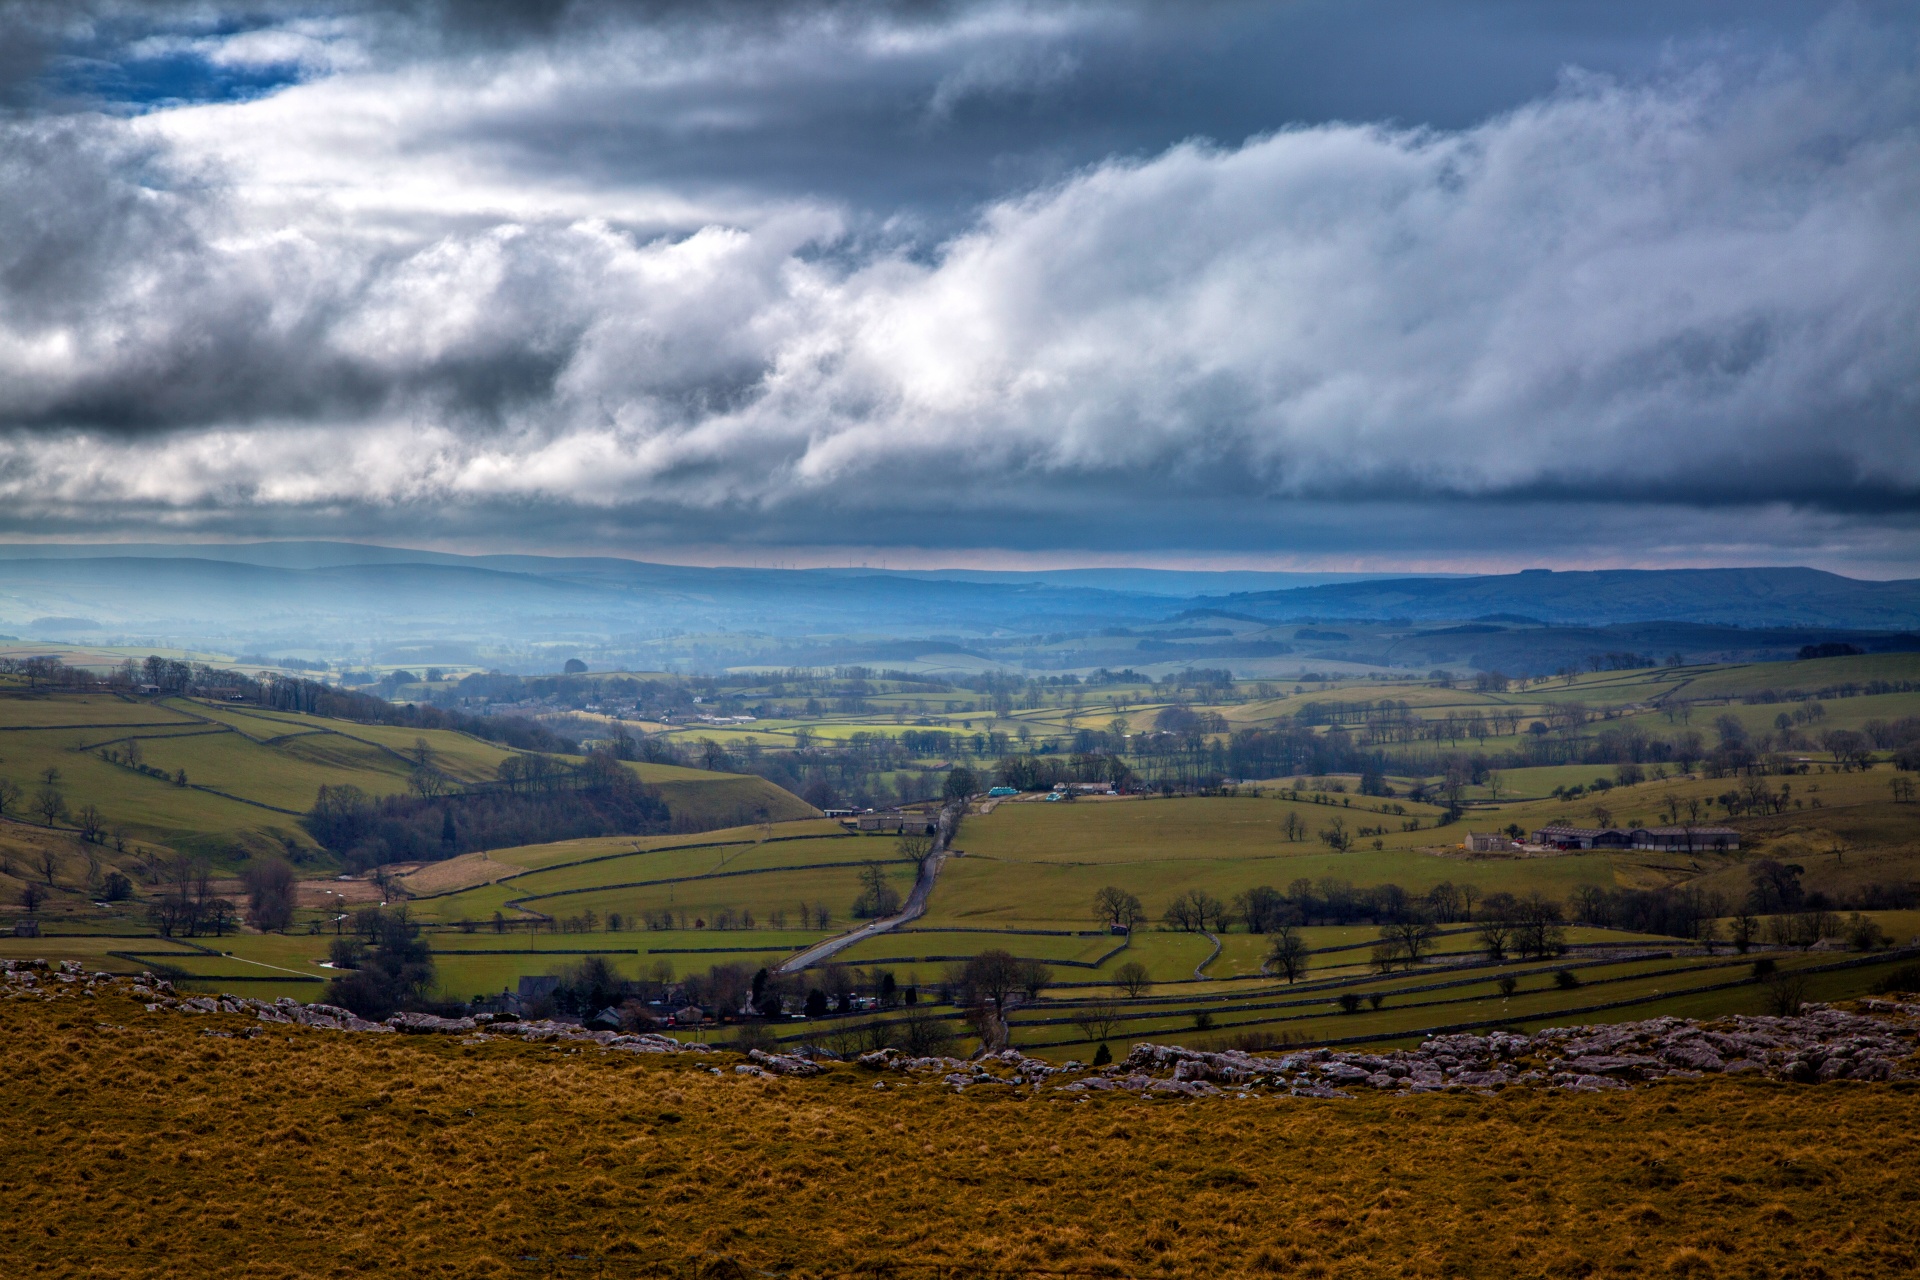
(990, 986)
(537, 800)
(48, 803)
(385, 964)
(832, 994)
(1044, 772)
(864, 770)
(877, 898)
(1264, 908)
(184, 902)
(271, 894)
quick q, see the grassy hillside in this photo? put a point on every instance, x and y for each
(315, 1153)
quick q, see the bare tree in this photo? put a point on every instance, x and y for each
(1099, 1019)
(992, 983)
(91, 823)
(1288, 952)
(50, 805)
(1745, 928)
(1411, 938)
(1132, 978)
(924, 1034)
(9, 795)
(1117, 908)
(1179, 914)
(47, 858)
(1197, 910)
(914, 848)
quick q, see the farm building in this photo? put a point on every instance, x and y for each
(1486, 842)
(904, 822)
(1665, 839)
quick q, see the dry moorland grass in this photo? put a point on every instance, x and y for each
(137, 1144)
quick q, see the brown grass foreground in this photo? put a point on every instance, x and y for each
(136, 1145)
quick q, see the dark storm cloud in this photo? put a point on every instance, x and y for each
(948, 275)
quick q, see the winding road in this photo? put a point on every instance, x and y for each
(916, 905)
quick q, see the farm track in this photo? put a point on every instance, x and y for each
(916, 905)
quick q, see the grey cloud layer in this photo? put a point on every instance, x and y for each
(359, 295)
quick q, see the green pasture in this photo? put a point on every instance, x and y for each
(700, 800)
(537, 856)
(461, 977)
(1840, 713)
(1211, 828)
(269, 765)
(763, 893)
(935, 946)
(483, 962)
(145, 807)
(686, 861)
(1808, 676)
(93, 952)
(1039, 865)
(22, 710)
(1313, 1015)
(286, 775)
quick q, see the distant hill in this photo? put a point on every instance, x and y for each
(392, 604)
(1787, 597)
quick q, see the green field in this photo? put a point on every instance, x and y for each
(250, 773)
(1024, 872)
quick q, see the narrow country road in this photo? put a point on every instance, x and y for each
(916, 901)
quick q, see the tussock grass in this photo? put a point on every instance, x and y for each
(138, 1145)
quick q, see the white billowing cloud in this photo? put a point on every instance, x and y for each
(1705, 289)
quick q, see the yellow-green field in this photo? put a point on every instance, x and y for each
(250, 773)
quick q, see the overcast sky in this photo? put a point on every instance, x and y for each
(1340, 284)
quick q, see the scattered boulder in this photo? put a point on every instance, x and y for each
(1869, 1041)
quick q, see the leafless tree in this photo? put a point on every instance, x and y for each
(1117, 908)
(1132, 978)
(914, 848)
(1287, 953)
(1099, 1019)
(50, 805)
(1411, 938)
